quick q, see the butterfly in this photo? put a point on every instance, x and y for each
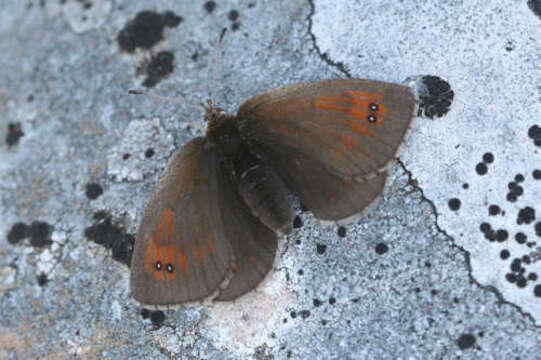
(214, 219)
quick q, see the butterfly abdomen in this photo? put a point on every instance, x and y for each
(266, 195)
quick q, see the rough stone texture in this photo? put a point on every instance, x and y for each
(438, 291)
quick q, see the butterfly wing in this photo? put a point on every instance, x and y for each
(332, 141)
(196, 230)
(181, 250)
(254, 244)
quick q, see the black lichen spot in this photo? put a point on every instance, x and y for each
(465, 341)
(149, 153)
(145, 30)
(381, 248)
(233, 15)
(42, 279)
(509, 46)
(297, 222)
(293, 314)
(532, 276)
(159, 66)
(321, 249)
(332, 301)
(300, 272)
(342, 231)
(40, 234)
(104, 233)
(157, 317)
(145, 313)
(210, 6)
(481, 168)
(534, 133)
(304, 313)
(18, 232)
(454, 204)
(436, 97)
(536, 174)
(126, 156)
(538, 228)
(526, 215)
(504, 254)
(235, 26)
(93, 191)
(493, 210)
(502, 235)
(519, 178)
(488, 158)
(317, 303)
(15, 132)
(537, 290)
(535, 6)
(512, 278)
(465, 186)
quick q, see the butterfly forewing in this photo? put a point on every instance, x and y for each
(181, 251)
(343, 132)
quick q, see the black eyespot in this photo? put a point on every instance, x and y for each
(169, 268)
(158, 265)
(373, 107)
(372, 119)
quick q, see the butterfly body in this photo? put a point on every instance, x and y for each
(222, 199)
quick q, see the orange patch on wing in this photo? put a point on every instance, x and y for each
(364, 98)
(169, 228)
(182, 262)
(209, 242)
(198, 253)
(150, 255)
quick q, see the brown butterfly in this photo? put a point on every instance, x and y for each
(222, 201)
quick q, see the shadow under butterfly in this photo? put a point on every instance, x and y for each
(213, 222)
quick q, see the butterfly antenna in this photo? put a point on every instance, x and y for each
(216, 63)
(166, 98)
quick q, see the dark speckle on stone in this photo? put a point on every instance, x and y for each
(534, 133)
(465, 341)
(436, 98)
(145, 30)
(160, 65)
(381, 248)
(235, 26)
(454, 204)
(538, 228)
(317, 302)
(535, 7)
(321, 249)
(504, 254)
(126, 156)
(488, 158)
(18, 232)
(93, 191)
(297, 222)
(149, 153)
(105, 233)
(42, 279)
(210, 6)
(304, 313)
(342, 231)
(493, 210)
(233, 15)
(14, 134)
(332, 301)
(536, 174)
(40, 234)
(526, 215)
(157, 317)
(465, 186)
(145, 313)
(481, 168)
(537, 290)
(519, 178)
